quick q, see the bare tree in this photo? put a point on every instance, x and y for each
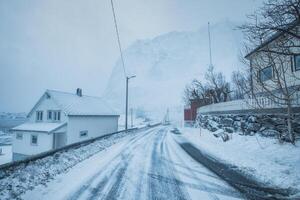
(274, 29)
(196, 90)
(214, 90)
(240, 83)
(218, 86)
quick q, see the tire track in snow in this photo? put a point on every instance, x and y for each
(123, 179)
(104, 176)
(212, 195)
(162, 183)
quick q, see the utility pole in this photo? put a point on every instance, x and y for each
(126, 109)
(131, 113)
(122, 59)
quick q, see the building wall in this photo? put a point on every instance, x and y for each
(258, 61)
(290, 75)
(45, 105)
(95, 125)
(188, 115)
(24, 146)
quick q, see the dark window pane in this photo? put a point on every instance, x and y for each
(83, 133)
(266, 74)
(58, 115)
(49, 115)
(34, 139)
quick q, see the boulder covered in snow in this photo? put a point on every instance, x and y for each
(229, 129)
(269, 133)
(254, 127)
(226, 122)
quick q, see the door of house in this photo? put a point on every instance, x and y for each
(60, 140)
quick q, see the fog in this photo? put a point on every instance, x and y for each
(60, 44)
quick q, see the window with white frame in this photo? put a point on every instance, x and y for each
(34, 140)
(39, 115)
(53, 115)
(19, 136)
(297, 62)
(56, 115)
(83, 134)
(266, 74)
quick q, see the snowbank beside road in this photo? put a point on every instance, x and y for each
(15, 181)
(264, 158)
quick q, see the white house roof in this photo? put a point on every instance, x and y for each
(39, 127)
(73, 104)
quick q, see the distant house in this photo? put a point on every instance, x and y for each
(59, 119)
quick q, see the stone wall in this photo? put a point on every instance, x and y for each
(245, 124)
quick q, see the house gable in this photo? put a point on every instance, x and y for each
(45, 103)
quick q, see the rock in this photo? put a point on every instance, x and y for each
(213, 129)
(226, 122)
(229, 129)
(237, 125)
(252, 133)
(269, 133)
(297, 120)
(216, 135)
(225, 137)
(277, 121)
(254, 127)
(252, 119)
(297, 129)
(212, 123)
(281, 128)
(237, 118)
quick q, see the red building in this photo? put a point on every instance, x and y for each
(190, 113)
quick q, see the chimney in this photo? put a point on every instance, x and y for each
(79, 92)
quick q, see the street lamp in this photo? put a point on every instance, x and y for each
(126, 111)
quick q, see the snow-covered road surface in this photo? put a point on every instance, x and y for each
(150, 165)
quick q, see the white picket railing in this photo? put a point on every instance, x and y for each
(247, 104)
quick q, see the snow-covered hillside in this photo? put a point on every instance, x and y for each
(165, 64)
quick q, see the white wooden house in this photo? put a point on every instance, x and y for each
(262, 71)
(59, 119)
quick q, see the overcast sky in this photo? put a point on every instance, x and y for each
(65, 44)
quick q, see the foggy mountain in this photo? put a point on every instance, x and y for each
(165, 64)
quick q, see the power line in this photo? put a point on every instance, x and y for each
(118, 37)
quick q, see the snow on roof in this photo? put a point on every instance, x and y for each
(73, 104)
(38, 127)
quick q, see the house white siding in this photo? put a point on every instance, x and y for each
(81, 118)
(258, 61)
(23, 146)
(94, 125)
(44, 105)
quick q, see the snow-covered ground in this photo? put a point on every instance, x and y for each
(264, 158)
(5, 146)
(137, 122)
(149, 165)
(6, 155)
(15, 182)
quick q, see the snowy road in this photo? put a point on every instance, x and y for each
(150, 165)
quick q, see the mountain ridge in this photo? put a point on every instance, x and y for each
(165, 64)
